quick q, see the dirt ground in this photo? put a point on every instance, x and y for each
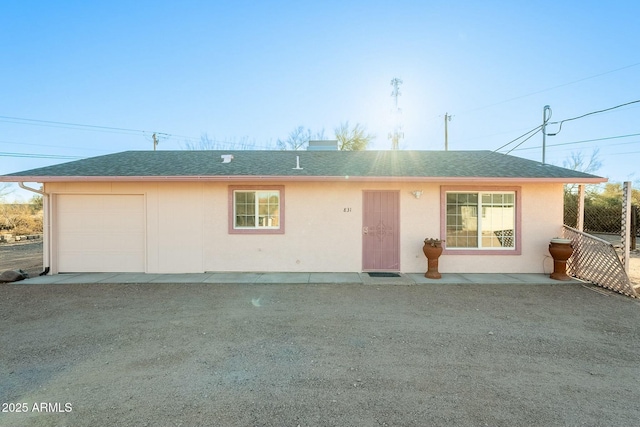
(22, 255)
(634, 267)
(309, 355)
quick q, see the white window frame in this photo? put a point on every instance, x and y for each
(256, 229)
(517, 203)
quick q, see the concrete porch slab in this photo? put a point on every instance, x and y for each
(294, 278)
(232, 277)
(73, 278)
(180, 278)
(449, 278)
(289, 278)
(334, 278)
(133, 278)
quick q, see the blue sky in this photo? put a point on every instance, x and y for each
(256, 70)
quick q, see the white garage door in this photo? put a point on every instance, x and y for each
(100, 233)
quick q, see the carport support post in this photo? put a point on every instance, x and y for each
(626, 224)
(580, 219)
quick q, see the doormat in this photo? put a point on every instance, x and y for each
(380, 274)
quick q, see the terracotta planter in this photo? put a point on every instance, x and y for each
(560, 250)
(432, 251)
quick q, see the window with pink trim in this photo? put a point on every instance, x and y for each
(481, 221)
(256, 210)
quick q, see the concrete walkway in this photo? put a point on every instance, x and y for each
(293, 278)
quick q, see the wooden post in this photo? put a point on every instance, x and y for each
(580, 219)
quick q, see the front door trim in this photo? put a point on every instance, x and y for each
(381, 230)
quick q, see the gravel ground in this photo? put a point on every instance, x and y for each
(22, 255)
(310, 355)
(307, 355)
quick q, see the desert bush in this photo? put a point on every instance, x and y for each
(20, 219)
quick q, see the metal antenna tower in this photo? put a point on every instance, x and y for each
(397, 133)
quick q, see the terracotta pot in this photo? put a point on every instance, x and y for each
(560, 251)
(432, 253)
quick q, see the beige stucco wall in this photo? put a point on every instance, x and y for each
(187, 228)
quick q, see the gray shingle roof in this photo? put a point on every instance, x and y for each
(321, 164)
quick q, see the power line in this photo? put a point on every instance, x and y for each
(535, 130)
(523, 141)
(52, 146)
(587, 140)
(39, 156)
(589, 114)
(618, 154)
(551, 88)
(108, 129)
(51, 122)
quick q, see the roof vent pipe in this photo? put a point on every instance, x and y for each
(298, 164)
(226, 158)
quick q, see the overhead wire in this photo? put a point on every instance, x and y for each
(551, 88)
(589, 114)
(39, 156)
(113, 129)
(587, 140)
(535, 130)
(538, 128)
(525, 140)
(52, 122)
(628, 152)
(52, 146)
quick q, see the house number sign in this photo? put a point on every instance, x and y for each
(347, 209)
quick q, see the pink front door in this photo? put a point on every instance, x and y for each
(381, 231)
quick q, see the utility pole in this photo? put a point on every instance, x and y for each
(155, 141)
(447, 118)
(397, 133)
(545, 119)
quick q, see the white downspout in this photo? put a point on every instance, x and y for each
(46, 227)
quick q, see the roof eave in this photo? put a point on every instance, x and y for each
(229, 178)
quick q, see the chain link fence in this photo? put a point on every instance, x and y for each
(599, 219)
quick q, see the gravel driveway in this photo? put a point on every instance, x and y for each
(318, 355)
(22, 255)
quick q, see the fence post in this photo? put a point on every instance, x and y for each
(626, 224)
(580, 219)
(634, 226)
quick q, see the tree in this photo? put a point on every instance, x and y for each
(206, 143)
(349, 139)
(611, 195)
(5, 189)
(578, 162)
(298, 139)
(354, 139)
(36, 203)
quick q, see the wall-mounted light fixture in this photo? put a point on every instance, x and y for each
(417, 193)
